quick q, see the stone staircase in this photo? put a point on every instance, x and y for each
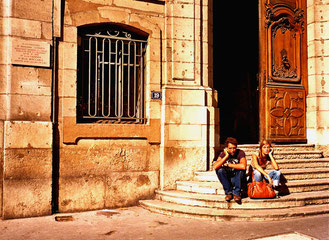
(304, 191)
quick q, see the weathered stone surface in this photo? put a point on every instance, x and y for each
(67, 55)
(114, 14)
(46, 30)
(1, 134)
(318, 62)
(3, 75)
(30, 81)
(26, 198)
(32, 9)
(190, 115)
(28, 164)
(141, 6)
(104, 156)
(324, 149)
(27, 169)
(181, 163)
(68, 107)
(70, 34)
(183, 71)
(67, 79)
(183, 49)
(29, 108)
(124, 189)
(114, 189)
(5, 49)
(84, 193)
(22, 134)
(185, 132)
(25, 28)
(1, 194)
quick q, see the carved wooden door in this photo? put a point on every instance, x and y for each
(283, 70)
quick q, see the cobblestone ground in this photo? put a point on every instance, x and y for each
(138, 223)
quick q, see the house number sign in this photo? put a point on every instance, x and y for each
(156, 95)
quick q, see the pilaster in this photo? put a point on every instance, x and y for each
(318, 68)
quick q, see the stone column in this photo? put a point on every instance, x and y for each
(318, 74)
(188, 108)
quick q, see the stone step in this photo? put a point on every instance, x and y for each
(279, 147)
(292, 154)
(305, 191)
(218, 201)
(289, 174)
(301, 163)
(217, 214)
(307, 173)
(215, 187)
(286, 151)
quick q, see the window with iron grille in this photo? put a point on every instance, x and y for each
(111, 64)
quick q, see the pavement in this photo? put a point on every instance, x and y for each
(138, 223)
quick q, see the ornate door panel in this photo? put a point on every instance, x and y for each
(283, 70)
(286, 110)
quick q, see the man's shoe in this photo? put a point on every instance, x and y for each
(237, 199)
(228, 197)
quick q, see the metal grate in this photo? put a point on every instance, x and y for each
(111, 70)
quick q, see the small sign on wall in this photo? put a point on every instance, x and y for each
(156, 95)
(30, 53)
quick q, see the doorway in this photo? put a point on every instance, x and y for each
(236, 50)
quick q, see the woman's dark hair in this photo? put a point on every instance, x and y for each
(231, 140)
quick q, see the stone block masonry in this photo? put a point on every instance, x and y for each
(101, 165)
(318, 69)
(25, 112)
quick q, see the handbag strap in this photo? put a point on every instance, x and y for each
(252, 175)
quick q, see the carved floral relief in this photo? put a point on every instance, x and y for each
(287, 113)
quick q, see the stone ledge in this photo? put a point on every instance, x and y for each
(72, 131)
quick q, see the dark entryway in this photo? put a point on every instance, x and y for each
(236, 50)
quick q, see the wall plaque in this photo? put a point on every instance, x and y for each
(30, 53)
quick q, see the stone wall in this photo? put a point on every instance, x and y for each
(46, 157)
(189, 113)
(121, 164)
(96, 174)
(25, 109)
(318, 74)
(180, 137)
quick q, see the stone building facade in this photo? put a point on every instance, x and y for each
(62, 149)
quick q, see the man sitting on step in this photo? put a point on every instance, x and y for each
(230, 167)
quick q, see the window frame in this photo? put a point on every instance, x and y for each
(111, 80)
(72, 131)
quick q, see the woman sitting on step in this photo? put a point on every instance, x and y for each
(260, 162)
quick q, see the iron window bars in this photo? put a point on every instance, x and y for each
(111, 66)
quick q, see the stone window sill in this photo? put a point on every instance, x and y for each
(72, 131)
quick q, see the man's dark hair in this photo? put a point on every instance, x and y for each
(231, 140)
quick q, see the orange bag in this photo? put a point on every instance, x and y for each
(260, 189)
